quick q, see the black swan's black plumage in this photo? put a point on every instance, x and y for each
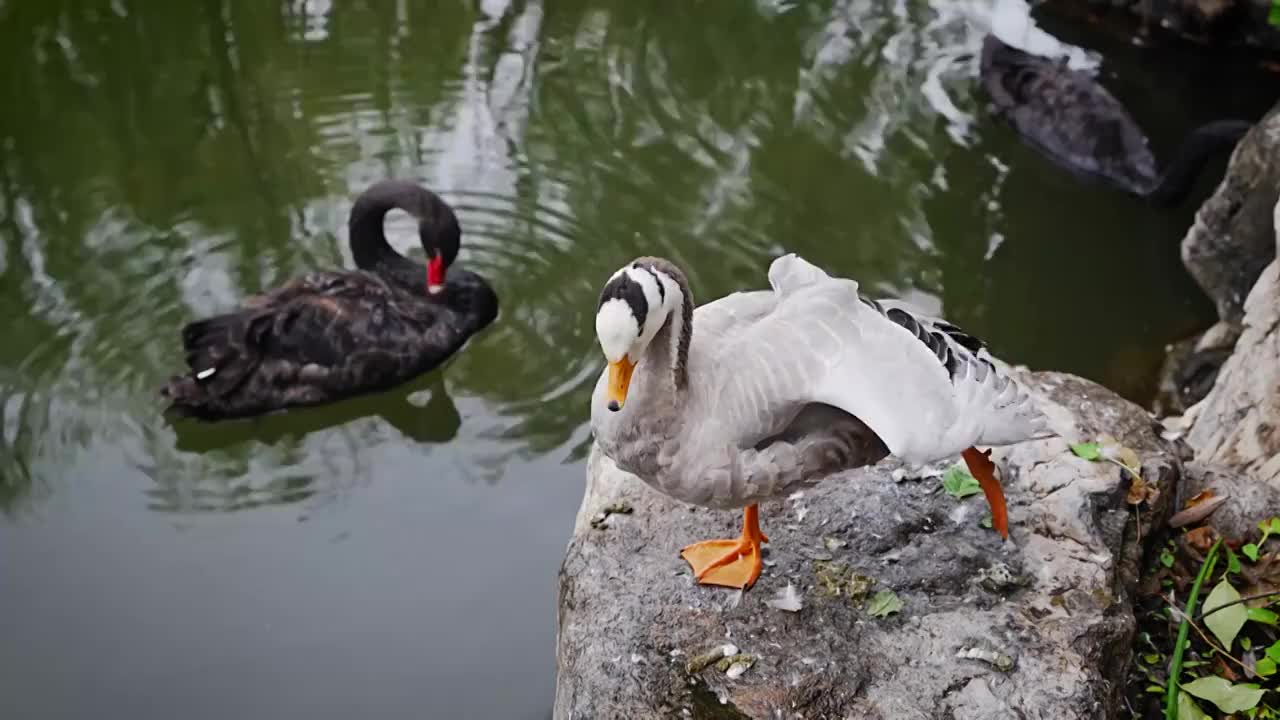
(1068, 116)
(330, 335)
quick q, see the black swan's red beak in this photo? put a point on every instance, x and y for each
(435, 275)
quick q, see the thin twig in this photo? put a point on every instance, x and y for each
(1246, 598)
(1213, 644)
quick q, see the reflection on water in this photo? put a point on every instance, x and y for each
(166, 160)
(425, 416)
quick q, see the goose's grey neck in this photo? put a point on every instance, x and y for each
(673, 339)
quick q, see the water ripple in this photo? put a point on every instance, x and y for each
(569, 138)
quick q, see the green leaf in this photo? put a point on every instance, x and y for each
(1151, 658)
(986, 521)
(959, 483)
(1264, 616)
(1166, 558)
(1088, 451)
(1246, 643)
(1229, 698)
(1265, 667)
(884, 603)
(1273, 652)
(1225, 623)
(1272, 527)
(1233, 563)
(1250, 551)
(1188, 709)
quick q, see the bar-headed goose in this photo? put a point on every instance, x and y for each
(759, 393)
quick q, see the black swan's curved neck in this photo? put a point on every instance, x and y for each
(438, 229)
(1180, 175)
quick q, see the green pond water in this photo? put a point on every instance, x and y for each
(396, 555)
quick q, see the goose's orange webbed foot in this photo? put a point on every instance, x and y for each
(730, 563)
(983, 471)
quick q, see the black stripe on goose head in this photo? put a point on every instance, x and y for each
(622, 287)
(662, 290)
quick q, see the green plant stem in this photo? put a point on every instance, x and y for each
(1184, 628)
(1246, 598)
(1126, 468)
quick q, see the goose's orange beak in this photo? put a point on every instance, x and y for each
(619, 381)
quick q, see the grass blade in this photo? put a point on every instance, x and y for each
(1184, 629)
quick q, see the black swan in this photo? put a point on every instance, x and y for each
(330, 335)
(1070, 117)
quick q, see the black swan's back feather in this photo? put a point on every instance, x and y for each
(1067, 115)
(323, 337)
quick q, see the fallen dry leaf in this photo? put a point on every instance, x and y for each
(1224, 670)
(1202, 538)
(1199, 498)
(1139, 491)
(1195, 513)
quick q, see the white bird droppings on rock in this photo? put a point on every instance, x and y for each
(998, 659)
(787, 600)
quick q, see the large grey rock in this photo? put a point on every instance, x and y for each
(1246, 500)
(1232, 240)
(1055, 601)
(1237, 426)
(1191, 367)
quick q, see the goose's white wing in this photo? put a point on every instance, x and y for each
(912, 380)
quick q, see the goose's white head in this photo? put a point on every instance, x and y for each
(633, 307)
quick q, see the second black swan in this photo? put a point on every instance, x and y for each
(1069, 116)
(330, 335)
